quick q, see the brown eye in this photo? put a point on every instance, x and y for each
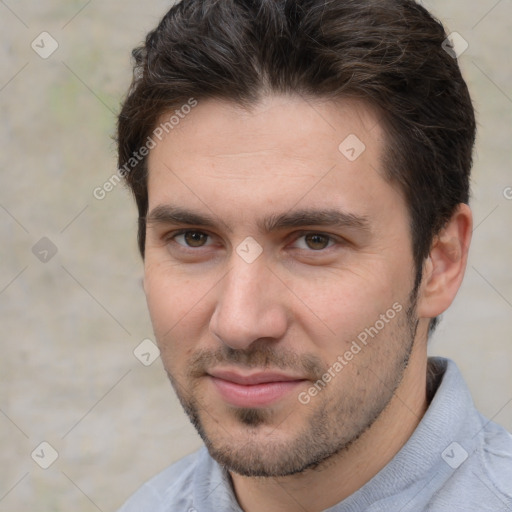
(190, 239)
(317, 241)
(195, 238)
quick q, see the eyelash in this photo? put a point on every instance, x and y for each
(171, 238)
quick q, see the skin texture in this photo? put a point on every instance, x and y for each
(301, 303)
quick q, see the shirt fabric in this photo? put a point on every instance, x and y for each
(455, 460)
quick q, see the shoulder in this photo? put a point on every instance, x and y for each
(496, 458)
(169, 490)
(483, 481)
(474, 455)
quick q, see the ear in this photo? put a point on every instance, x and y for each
(445, 266)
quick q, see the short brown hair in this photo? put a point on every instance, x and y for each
(388, 53)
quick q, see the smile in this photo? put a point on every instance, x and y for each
(256, 390)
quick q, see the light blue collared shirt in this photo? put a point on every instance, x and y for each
(456, 460)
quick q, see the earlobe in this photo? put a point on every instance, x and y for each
(445, 266)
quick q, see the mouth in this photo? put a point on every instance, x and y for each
(257, 389)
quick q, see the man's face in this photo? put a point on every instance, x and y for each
(251, 311)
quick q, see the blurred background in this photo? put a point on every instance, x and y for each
(74, 398)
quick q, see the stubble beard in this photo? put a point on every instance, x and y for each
(334, 423)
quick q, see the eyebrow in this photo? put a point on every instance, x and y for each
(169, 214)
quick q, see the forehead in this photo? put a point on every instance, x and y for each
(284, 122)
(284, 151)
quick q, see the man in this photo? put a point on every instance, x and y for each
(301, 170)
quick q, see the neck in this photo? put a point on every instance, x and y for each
(344, 473)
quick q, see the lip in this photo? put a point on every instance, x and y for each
(253, 390)
(253, 378)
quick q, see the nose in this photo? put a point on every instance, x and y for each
(250, 305)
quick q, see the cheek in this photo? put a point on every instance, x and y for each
(178, 307)
(349, 305)
(346, 300)
(167, 297)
